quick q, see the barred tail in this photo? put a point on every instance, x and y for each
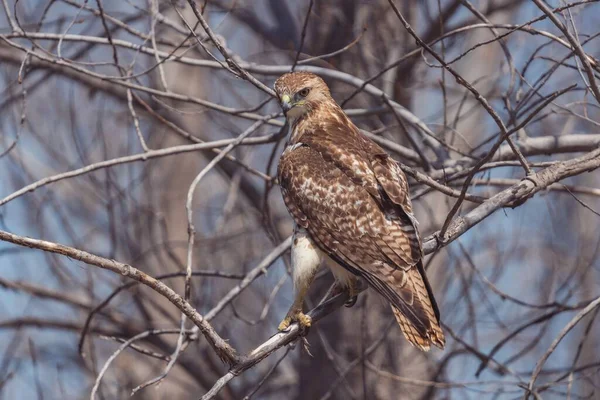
(433, 336)
(423, 304)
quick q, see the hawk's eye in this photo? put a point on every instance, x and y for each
(304, 92)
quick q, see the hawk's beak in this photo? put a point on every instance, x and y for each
(286, 103)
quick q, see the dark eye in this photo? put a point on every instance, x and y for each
(304, 92)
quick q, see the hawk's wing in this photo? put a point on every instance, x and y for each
(353, 201)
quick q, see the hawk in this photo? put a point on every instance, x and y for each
(352, 211)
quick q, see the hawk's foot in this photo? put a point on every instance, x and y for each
(303, 320)
(283, 325)
(353, 292)
(351, 288)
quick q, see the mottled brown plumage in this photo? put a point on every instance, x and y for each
(351, 199)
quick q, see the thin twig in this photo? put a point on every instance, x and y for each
(538, 368)
(302, 35)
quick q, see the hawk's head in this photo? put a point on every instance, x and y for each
(300, 92)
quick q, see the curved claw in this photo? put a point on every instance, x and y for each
(351, 301)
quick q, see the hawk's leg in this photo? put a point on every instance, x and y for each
(353, 292)
(345, 281)
(350, 286)
(295, 314)
(306, 258)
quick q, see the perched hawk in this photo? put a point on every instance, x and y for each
(352, 211)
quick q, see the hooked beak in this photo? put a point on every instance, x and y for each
(286, 103)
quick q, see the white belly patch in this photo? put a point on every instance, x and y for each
(307, 257)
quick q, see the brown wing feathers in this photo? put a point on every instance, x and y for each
(347, 223)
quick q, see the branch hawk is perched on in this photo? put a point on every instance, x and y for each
(352, 211)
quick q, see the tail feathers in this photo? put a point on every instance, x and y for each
(426, 329)
(433, 335)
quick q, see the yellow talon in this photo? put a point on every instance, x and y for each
(302, 319)
(284, 324)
